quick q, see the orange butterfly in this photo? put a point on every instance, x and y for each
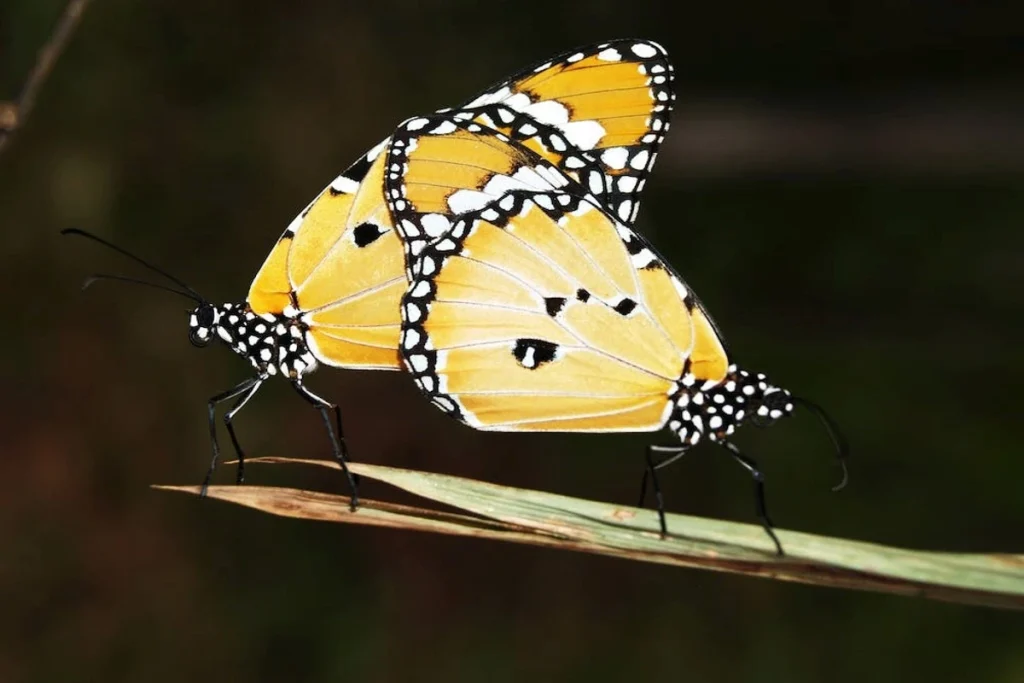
(530, 307)
(329, 291)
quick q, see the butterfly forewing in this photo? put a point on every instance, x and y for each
(611, 101)
(529, 307)
(598, 113)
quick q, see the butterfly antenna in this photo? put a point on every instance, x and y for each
(89, 281)
(191, 293)
(838, 440)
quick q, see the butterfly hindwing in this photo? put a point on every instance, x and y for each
(340, 264)
(529, 307)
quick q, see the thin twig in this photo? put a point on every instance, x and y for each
(14, 114)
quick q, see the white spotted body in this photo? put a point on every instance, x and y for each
(272, 343)
(713, 411)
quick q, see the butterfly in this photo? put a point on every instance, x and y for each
(330, 289)
(531, 307)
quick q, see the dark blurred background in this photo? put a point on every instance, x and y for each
(844, 189)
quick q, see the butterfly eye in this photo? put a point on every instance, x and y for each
(777, 401)
(205, 315)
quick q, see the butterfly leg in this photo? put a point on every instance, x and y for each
(673, 453)
(244, 389)
(337, 441)
(762, 511)
(228, 422)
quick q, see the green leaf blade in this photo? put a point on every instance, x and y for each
(540, 518)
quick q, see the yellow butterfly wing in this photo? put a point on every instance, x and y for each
(529, 307)
(611, 101)
(339, 265)
(599, 113)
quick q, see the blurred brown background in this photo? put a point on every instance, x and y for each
(845, 190)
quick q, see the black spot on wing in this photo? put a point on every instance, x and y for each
(554, 305)
(532, 353)
(625, 307)
(366, 233)
(583, 295)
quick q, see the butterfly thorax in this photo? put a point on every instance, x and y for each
(271, 342)
(714, 410)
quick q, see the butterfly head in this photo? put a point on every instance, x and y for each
(768, 403)
(203, 323)
(714, 410)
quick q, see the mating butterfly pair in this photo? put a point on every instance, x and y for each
(488, 250)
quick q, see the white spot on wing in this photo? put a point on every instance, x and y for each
(444, 128)
(548, 111)
(524, 178)
(531, 179)
(584, 134)
(643, 50)
(490, 98)
(408, 228)
(627, 183)
(464, 201)
(553, 176)
(519, 101)
(421, 289)
(434, 224)
(615, 157)
(344, 185)
(625, 210)
(639, 160)
(680, 287)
